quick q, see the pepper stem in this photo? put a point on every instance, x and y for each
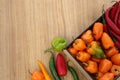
(48, 50)
(29, 72)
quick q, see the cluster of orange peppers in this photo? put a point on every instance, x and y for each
(40, 75)
(95, 49)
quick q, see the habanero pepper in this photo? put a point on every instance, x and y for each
(95, 50)
(106, 40)
(112, 51)
(107, 76)
(83, 56)
(36, 75)
(105, 65)
(79, 44)
(91, 66)
(87, 36)
(115, 69)
(97, 30)
(116, 59)
(58, 44)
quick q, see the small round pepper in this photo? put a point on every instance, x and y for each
(59, 44)
(36, 75)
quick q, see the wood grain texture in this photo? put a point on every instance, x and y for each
(28, 26)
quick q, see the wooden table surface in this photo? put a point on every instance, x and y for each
(28, 26)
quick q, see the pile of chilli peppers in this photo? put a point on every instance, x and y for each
(98, 49)
(58, 66)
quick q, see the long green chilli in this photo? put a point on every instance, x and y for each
(73, 72)
(52, 68)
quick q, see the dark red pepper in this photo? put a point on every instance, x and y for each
(117, 14)
(61, 65)
(111, 25)
(118, 21)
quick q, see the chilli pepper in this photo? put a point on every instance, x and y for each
(107, 42)
(87, 36)
(91, 66)
(52, 68)
(95, 50)
(59, 44)
(97, 30)
(42, 67)
(107, 76)
(73, 72)
(112, 26)
(83, 56)
(115, 69)
(79, 44)
(105, 65)
(111, 52)
(61, 65)
(72, 50)
(116, 59)
(36, 75)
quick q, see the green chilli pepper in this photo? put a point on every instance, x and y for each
(52, 68)
(73, 72)
(95, 50)
(59, 44)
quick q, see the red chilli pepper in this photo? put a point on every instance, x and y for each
(110, 23)
(117, 14)
(118, 21)
(61, 65)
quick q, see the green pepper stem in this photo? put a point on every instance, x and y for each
(48, 50)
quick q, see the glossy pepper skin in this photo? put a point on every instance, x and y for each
(61, 65)
(105, 65)
(36, 75)
(58, 44)
(107, 76)
(95, 50)
(91, 67)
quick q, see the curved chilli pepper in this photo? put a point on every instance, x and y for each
(105, 65)
(52, 68)
(36, 75)
(83, 56)
(118, 21)
(107, 76)
(116, 59)
(91, 67)
(107, 42)
(110, 23)
(73, 72)
(97, 30)
(111, 52)
(115, 69)
(87, 36)
(79, 44)
(42, 67)
(95, 50)
(59, 44)
(61, 65)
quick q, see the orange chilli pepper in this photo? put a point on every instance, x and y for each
(115, 69)
(91, 66)
(98, 30)
(107, 42)
(36, 75)
(112, 51)
(107, 76)
(87, 36)
(116, 59)
(72, 50)
(83, 56)
(105, 65)
(79, 44)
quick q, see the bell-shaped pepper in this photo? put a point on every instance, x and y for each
(95, 50)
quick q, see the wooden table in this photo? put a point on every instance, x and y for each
(28, 26)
